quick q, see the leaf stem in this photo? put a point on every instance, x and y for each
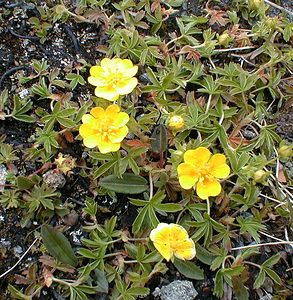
(151, 185)
(264, 244)
(208, 207)
(252, 264)
(209, 103)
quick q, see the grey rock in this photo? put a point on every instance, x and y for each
(3, 174)
(53, 179)
(176, 290)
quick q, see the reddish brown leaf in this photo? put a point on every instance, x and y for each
(281, 174)
(217, 16)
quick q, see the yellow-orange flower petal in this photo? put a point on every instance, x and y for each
(118, 135)
(208, 188)
(112, 109)
(97, 112)
(113, 77)
(197, 157)
(218, 166)
(188, 175)
(172, 240)
(104, 129)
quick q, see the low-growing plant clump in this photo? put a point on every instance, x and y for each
(144, 142)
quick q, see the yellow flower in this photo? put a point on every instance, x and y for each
(201, 170)
(175, 122)
(173, 239)
(113, 77)
(104, 128)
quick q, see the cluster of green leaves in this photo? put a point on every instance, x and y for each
(40, 201)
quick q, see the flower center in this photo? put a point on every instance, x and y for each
(114, 79)
(205, 173)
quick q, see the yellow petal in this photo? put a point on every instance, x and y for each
(160, 236)
(161, 233)
(96, 81)
(96, 71)
(118, 135)
(188, 175)
(198, 157)
(91, 141)
(177, 234)
(106, 93)
(86, 130)
(185, 250)
(207, 188)
(106, 146)
(121, 120)
(126, 86)
(112, 109)
(107, 64)
(165, 250)
(218, 166)
(128, 73)
(97, 112)
(124, 64)
(88, 119)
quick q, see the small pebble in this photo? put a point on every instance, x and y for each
(54, 180)
(23, 93)
(3, 174)
(17, 250)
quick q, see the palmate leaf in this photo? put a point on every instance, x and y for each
(251, 226)
(58, 245)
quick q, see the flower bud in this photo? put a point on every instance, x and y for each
(260, 176)
(254, 4)
(286, 151)
(224, 39)
(175, 122)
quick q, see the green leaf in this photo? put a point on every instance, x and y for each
(168, 207)
(58, 245)
(204, 255)
(273, 275)
(16, 294)
(159, 139)
(138, 291)
(260, 279)
(24, 118)
(102, 283)
(137, 224)
(104, 168)
(23, 183)
(128, 184)
(219, 284)
(272, 260)
(189, 269)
